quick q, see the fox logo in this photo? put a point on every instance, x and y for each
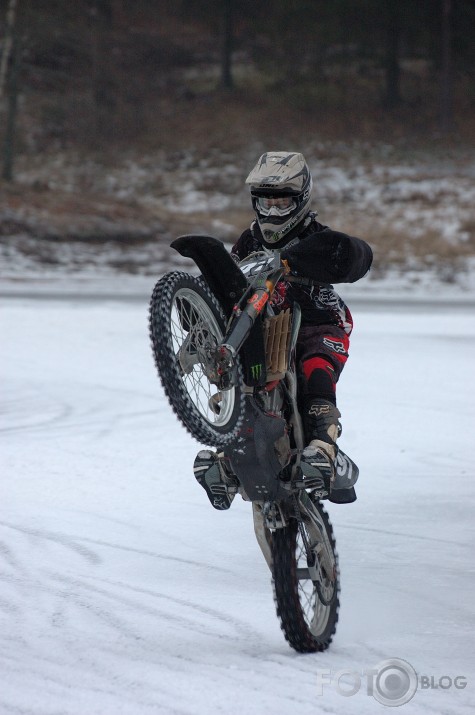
(335, 345)
(318, 410)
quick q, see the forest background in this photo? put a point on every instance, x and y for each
(126, 123)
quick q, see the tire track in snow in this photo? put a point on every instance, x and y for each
(156, 555)
(129, 597)
(405, 534)
(64, 540)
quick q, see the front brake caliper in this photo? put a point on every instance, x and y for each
(222, 370)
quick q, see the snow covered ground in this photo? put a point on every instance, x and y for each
(122, 592)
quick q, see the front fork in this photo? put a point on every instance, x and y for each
(265, 522)
(244, 315)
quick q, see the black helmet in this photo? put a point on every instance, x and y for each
(281, 186)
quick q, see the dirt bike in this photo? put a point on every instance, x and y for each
(227, 365)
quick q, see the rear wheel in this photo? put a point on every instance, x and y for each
(307, 601)
(186, 322)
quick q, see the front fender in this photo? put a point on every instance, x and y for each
(225, 279)
(228, 283)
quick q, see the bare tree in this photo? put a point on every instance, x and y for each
(9, 79)
(103, 82)
(226, 71)
(446, 104)
(392, 51)
(7, 43)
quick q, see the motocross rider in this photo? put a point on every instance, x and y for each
(315, 257)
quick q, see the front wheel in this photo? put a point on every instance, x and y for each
(307, 604)
(186, 322)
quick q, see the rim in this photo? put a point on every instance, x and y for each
(194, 326)
(316, 613)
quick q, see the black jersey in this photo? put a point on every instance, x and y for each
(317, 257)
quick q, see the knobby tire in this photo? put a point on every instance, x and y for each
(288, 601)
(162, 303)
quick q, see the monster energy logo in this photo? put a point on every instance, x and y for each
(256, 371)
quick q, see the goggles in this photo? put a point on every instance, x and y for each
(277, 205)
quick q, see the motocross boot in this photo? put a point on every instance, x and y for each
(210, 472)
(322, 426)
(322, 429)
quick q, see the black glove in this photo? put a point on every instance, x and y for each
(322, 256)
(329, 257)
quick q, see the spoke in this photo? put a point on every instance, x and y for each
(178, 334)
(193, 328)
(308, 599)
(198, 390)
(204, 408)
(315, 613)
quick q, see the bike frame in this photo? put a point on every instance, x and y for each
(253, 455)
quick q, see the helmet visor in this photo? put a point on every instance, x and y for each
(275, 205)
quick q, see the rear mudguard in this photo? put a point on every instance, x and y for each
(254, 455)
(228, 284)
